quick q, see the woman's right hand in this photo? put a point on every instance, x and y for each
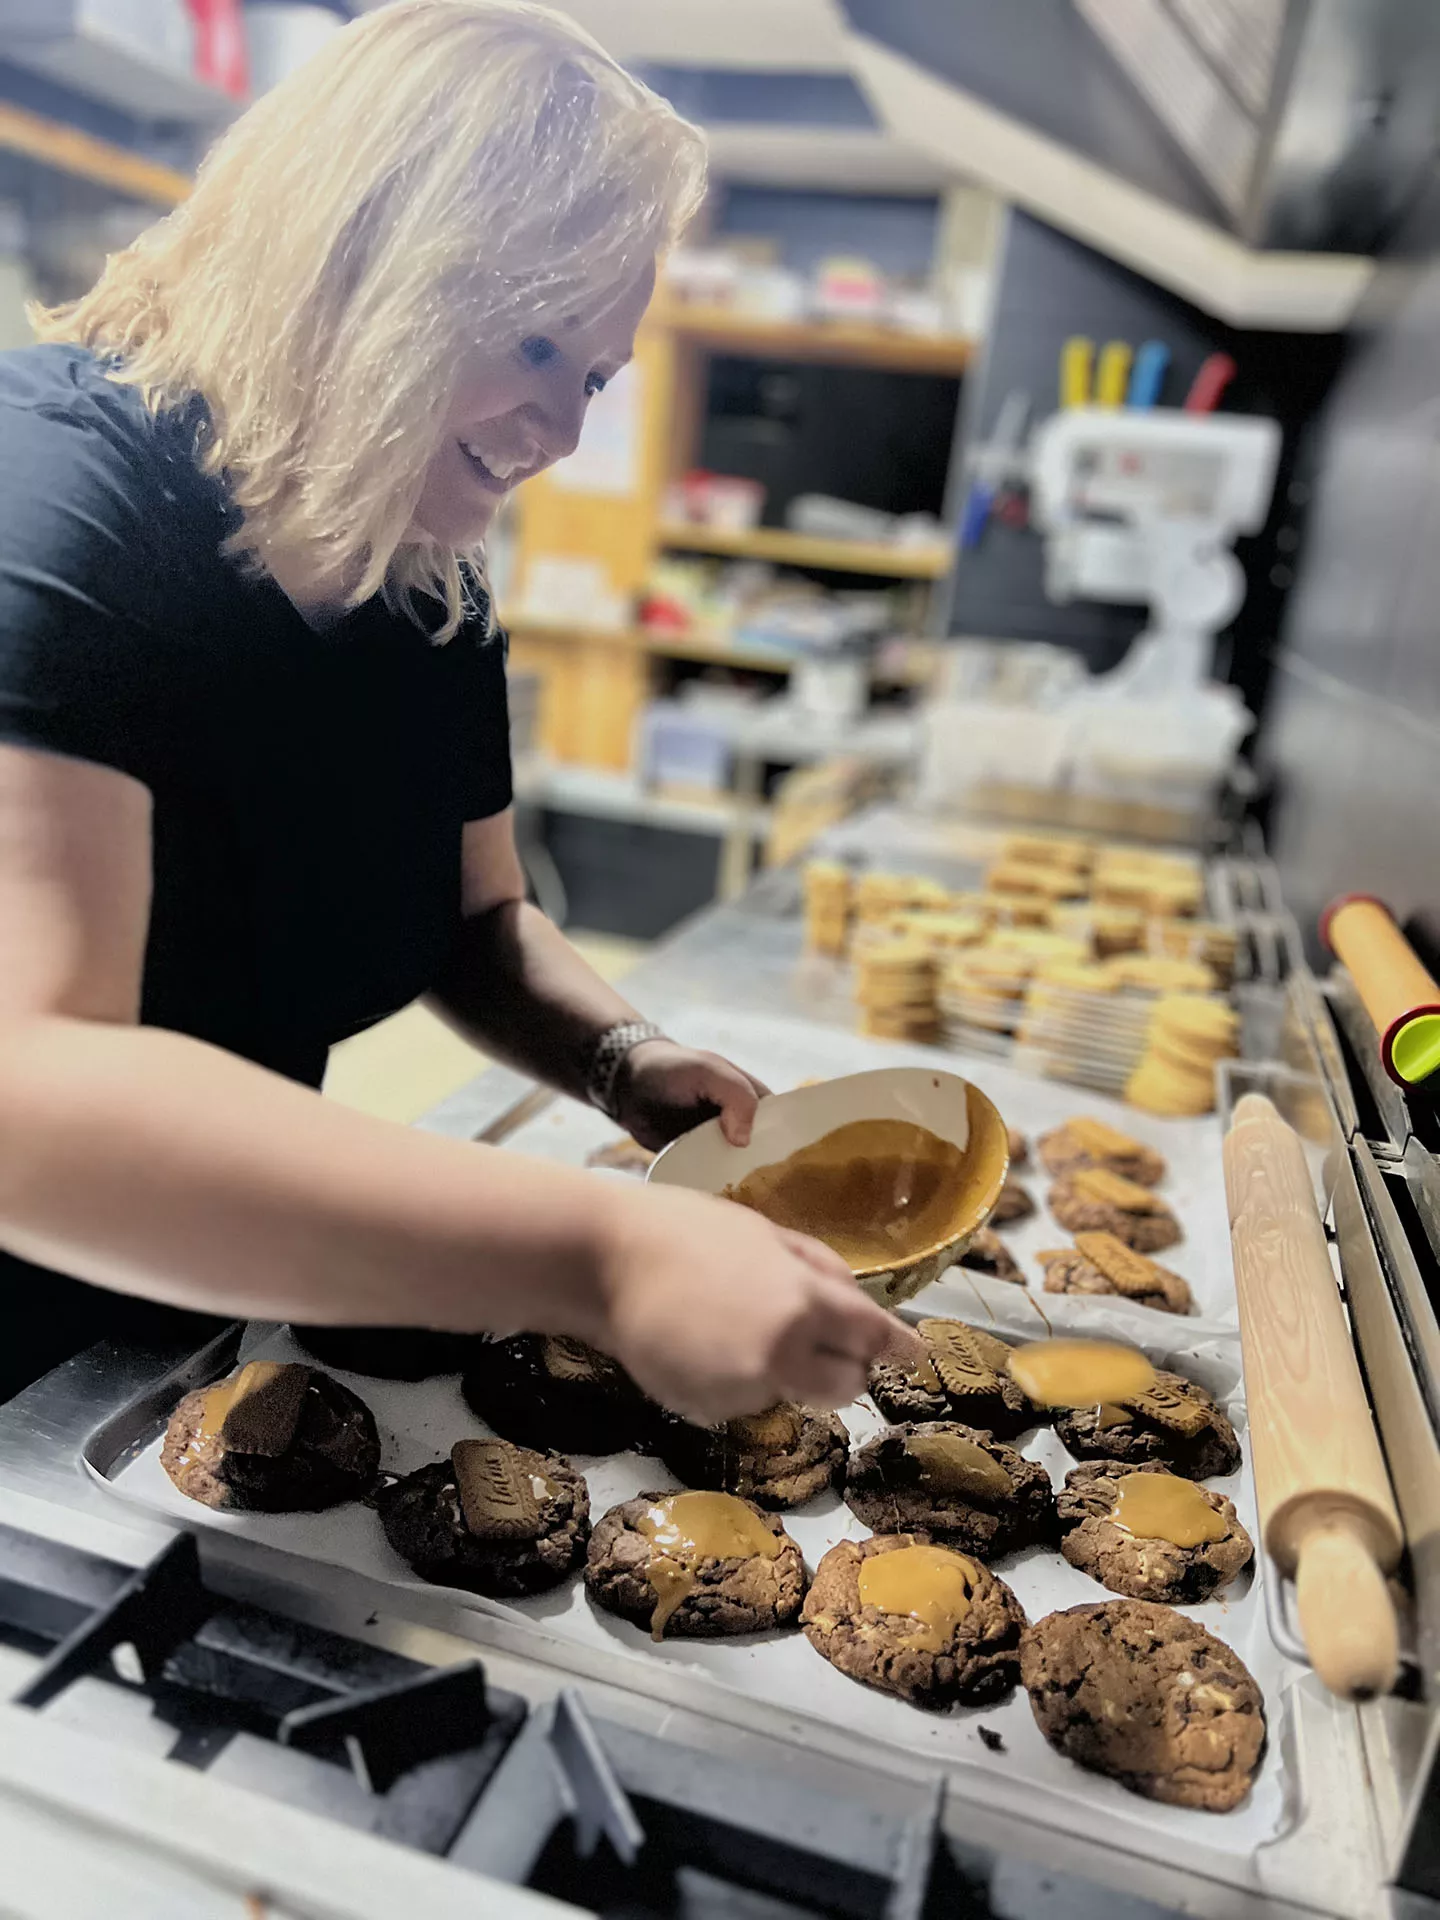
(716, 1312)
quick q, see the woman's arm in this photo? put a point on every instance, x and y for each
(157, 1165)
(517, 987)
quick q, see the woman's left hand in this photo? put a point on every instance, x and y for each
(663, 1090)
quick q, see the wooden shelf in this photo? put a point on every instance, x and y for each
(700, 646)
(69, 150)
(801, 550)
(714, 652)
(619, 796)
(663, 646)
(843, 343)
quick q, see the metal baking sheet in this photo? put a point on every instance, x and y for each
(419, 1422)
(781, 1673)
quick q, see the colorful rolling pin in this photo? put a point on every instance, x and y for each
(1399, 994)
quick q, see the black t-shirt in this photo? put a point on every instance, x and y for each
(309, 786)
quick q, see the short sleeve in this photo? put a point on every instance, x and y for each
(85, 590)
(486, 777)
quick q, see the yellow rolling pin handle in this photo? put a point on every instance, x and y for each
(1077, 362)
(1400, 995)
(1112, 376)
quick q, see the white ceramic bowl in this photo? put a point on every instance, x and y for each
(949, 1106)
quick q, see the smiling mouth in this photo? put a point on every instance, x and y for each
(496, 483)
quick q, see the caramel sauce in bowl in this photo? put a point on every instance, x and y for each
(896, 1169)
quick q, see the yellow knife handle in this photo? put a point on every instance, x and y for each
(1112, 378)
(1077, 361)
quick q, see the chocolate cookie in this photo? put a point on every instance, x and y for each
(987, 1253)
(273, 1438)
(389, 1353)
(1174, 1423)
(1019, 1147)
(965, 1376)
(1084, 1142)
(932, 1625)
(1095, 1200)
(700, 1565)
(954, 1483)
(1144, 1694)
(493, 1518)
(1013, 1204)
(544, 1391)
(1099, 1263)
(1142, 1531)
(778, 1459)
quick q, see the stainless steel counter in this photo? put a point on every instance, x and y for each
(142, 1825)
(744, 955)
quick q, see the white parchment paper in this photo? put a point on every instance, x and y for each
(419, 1422)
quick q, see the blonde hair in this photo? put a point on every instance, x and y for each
(436, 173)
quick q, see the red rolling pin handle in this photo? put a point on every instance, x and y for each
(1400, 995)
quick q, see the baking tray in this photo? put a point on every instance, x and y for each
(779, 1683)
(418, 1422)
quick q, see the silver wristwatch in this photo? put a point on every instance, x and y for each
(611, 1051)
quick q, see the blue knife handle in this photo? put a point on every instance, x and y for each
(977, 511)
(1147, 375)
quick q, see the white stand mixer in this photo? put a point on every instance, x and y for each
(1141, 506)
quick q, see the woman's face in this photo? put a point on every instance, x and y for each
(515, 414)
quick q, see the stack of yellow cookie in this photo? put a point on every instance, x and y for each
(1040, 946)
(878, 894)
(1068, 853)
(1066, 977)
(1204, 940)
(1007, 909)
(1176, 1074)
(826, 887)
(895, 988)
(1074, 1010)
(1162, 973)
(938, 932)
(1030, 877)
(1108, 929)
(985, 987)
(1167, 884)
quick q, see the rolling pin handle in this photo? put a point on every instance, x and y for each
(1347, 1618)
(1253, 1106)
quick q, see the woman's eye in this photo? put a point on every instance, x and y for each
(595, 383)
(538, 351)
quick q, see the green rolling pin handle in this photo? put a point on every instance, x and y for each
(1410, 1039)
(1410, 1049)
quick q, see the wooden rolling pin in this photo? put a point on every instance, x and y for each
(1326, 1512)
(1401, 996)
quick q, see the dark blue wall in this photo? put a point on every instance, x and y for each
(1049, 287)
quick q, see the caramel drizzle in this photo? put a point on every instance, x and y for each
(687, 1529)
(932, 1586)
(1162, 1506)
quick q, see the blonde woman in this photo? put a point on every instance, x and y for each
(254, 772)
